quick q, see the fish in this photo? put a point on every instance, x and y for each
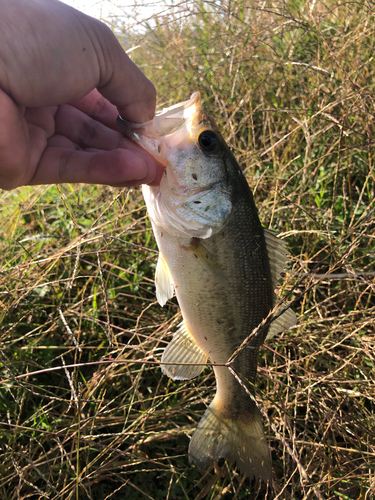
(223, 266)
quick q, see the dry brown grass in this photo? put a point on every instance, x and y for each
(85, 411)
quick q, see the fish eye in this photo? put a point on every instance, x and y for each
(208, 141)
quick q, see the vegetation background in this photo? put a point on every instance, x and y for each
(85, 411)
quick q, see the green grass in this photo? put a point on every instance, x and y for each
(292, 88)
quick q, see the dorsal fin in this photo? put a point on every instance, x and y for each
(183, 349)
(277, 257)
(163, 281)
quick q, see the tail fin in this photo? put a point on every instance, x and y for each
(235, 440)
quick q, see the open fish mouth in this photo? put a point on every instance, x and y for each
(167, 121)
(171, 128)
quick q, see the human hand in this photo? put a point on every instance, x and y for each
(55, 126)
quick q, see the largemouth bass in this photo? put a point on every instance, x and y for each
(223, 267)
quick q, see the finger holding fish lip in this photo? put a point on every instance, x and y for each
(86, 132)
(117, 168)
(167, 131)
(143, 134)
(82, 149)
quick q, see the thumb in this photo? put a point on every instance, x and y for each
(67, 59)
(123, 83)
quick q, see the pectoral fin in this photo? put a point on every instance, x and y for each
(163, 281)
(183, 349)
(207, 260)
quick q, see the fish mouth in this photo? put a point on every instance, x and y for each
(170, 128)
(165, 122)
(169, 120)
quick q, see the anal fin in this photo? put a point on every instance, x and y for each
(183, 349)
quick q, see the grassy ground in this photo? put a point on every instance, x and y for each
(85, 411)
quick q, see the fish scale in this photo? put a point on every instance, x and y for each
(223, 267)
